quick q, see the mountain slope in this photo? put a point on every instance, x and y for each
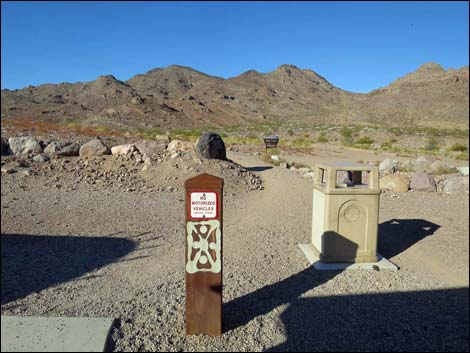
(180, 97)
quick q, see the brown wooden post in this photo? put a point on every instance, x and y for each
(203, 255)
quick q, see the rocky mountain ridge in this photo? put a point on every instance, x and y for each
(181, 97)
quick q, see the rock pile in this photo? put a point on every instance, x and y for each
(427, 174)
(142, 166)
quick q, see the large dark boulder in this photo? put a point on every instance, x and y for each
(5, 147)
(211, 146)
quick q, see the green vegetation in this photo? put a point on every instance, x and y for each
(364, 141)
(458, 147)
(445, 170)
(322, 138)
(463, 156)
(431, 144)
(147, 133)
(300, 142)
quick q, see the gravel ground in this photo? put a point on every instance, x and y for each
(104, 252)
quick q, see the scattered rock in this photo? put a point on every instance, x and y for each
(275, 158)
(5, 147)
(456, 185)
(163, 138)
(65, 149)
(210, 146)
(92, 148)
(41, 158)
(423, 182)
(304, 170)
(310, 175)
(8, 170)
(123, 149)
(179, 146)
(147, 160)
(463, 170)
(24, 145)
(388, 166)
(151, 147)
(395, 182)
(424, 163)
(284, 165)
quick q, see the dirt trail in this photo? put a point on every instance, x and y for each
(94, 251)
(286, 200)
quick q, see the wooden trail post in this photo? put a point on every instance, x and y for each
(203, 255)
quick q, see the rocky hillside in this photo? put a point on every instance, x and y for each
(180, 97)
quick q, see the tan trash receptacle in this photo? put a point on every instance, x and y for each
(345, 214)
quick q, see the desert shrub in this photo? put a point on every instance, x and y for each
(445, 170)
(322, 138)
(290, 132)
(148, 133)
(365, 140)
(463, 156)
(431, 144)
(458, 147)
(346, 132)
(301, 142)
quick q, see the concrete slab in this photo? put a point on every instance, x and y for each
(54, 334)
(313, 258)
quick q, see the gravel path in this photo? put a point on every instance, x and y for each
(99, 253)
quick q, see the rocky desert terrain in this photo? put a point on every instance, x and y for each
(95, 227)
(92, 207)
(180, 97)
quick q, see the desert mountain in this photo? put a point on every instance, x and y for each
(180, 97)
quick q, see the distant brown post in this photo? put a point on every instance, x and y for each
(203, 255)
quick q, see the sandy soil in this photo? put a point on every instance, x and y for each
(91, 251)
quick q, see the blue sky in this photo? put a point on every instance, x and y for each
(357, 46)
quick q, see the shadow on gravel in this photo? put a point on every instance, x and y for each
(240, 311)
(31, 263)
(397, 235)
(435, 320)
(258, 169)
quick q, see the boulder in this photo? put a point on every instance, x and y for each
(179, 146)
(8, 170)
(70, 149)
(423, 182)
(424, 164)
(211, 146)
(5, 147)
(163, 138)
(64, 149)
(94, 147)
(463, 170)
(151, 147)
(123, 149)
(24, 145)
(395, 182)
(388, 165)
(407, 166)
(41, 158)
(456, 185)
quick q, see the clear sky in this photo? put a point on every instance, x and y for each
(357, 46)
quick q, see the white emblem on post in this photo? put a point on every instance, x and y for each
(203, 254)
